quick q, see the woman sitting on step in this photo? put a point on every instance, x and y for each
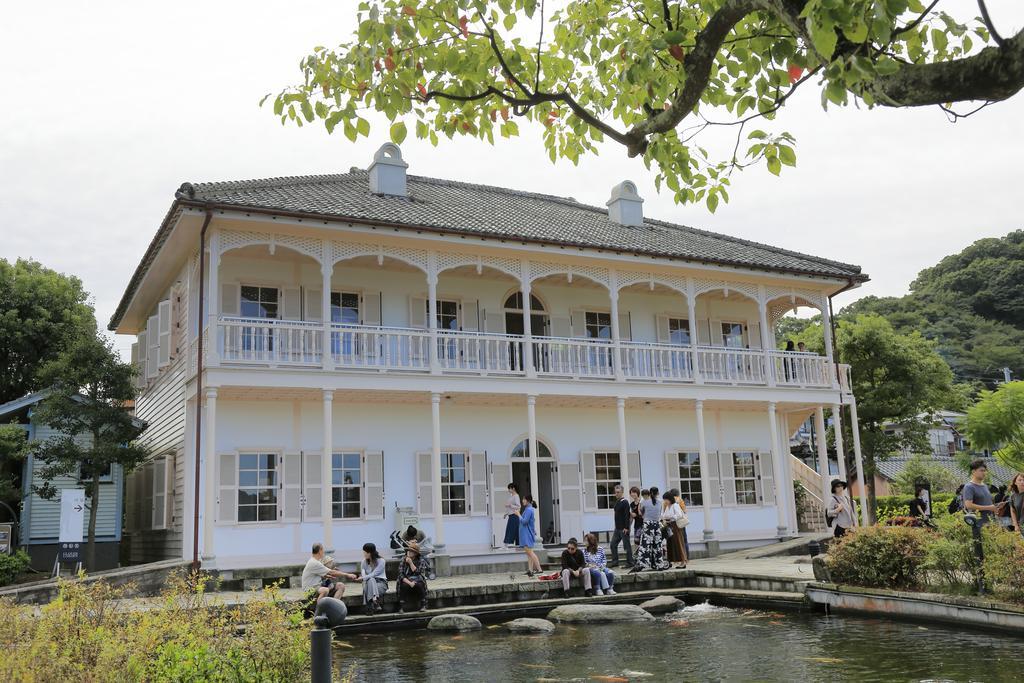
(375, 582)
(601, 577)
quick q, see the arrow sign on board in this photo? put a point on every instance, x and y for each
(72, 503)
(78, 508)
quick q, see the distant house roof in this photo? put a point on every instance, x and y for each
(486, 211)
(27, 400)
(890, 468)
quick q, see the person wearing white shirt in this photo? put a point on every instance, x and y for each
(316, 574)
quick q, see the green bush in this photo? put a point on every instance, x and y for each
(12, 565)
(1004, 562)
(879, 556)
(949, 556)
(899, 506)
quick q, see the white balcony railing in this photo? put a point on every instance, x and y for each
(278, 342)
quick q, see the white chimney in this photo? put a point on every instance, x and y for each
(387, 172)
(625, 206)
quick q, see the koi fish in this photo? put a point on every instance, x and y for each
(339, 643)
(539, 666)
(458, 637)
(610, 679)
(773, 622)
(822, 660)
(679, 622)
(446, 647)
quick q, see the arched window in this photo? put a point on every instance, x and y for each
(522, 450)
(515, 302)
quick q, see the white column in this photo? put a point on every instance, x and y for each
(209, 471)
(855, 430)
(766, 345)
(837, 424)
(620, 408)
(822, 444)
(705, 472)
(526, 289)
(531, 435)
(435, 462)
(211, 349)
(326, 465)
(435, 366)
(691, 304)
(780, 470)
(613, 295)
(326, 271)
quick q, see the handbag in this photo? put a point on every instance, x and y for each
(682, 521)
(666, 531)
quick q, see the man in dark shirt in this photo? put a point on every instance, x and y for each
(574, 565)
(978, 498)
(621, 532)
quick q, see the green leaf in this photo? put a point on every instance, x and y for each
(712, 202)
(774, 165)
(398, 132)
(674, 37)
(363, 127)
(787, 155)
(824, 37)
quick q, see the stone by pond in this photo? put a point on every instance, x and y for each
(598, 614)
(527, 625)
(662, 605)
(454, 623)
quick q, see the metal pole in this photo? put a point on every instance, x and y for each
(320, 654)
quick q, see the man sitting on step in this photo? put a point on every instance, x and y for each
(317, 575)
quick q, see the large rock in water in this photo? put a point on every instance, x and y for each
(454, 622)
(662, 605)
(598, 614)
(526, 625)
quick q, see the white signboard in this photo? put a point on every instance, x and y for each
(72, 515)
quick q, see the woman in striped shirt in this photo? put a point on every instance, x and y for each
(601, 577)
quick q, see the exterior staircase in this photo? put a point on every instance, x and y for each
(810, 511)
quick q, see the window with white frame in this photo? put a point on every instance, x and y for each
(598, 325)
(85, 472)
(345, 308)
(257, 487)
(745, 473)
(689, 478)
(608, 474)
(678, 331)
(447, 314)
(259, 302)
(453, 483)
(732, 335)
(346, 485)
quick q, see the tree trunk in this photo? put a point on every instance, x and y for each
(869, 480)
(90, 548)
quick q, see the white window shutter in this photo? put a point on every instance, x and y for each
(470, 315)
(501, 476)
(418, 312)
(635, 470)
(570, 517)
(139, 360)
(664, 336)
(230, 299)
(227, 488)
(370, 308)
(578, 324)
(159, 510)
(672, 469)
(704, 332)
(714, 496)
(164, 327)
(291, 486)
(494, 322)
(291, 300)
(314, 302)
(625, 326)
(765, 478)
(147, 496)
(140, 499)
(727, 472)
(424, 485)
(373, 485)
(589, 470)
(716, 333)
(561, 326)
(312, 486)
(153, 352)
(478, 484)
(754, 335)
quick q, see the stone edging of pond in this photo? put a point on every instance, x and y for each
(953, 609)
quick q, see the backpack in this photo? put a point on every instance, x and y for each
(829, 519)
(955, 505)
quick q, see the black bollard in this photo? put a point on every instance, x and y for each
(320, 651)
(814, 548)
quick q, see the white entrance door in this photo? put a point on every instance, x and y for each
(501, 475)
(570, 500)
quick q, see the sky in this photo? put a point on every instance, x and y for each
(107, 107)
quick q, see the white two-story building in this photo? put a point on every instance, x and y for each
(316, 352)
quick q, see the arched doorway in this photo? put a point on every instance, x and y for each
(546, 490)
(514, 315)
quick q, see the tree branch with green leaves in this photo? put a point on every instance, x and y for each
(633, 71)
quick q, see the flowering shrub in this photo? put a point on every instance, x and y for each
(879, 556)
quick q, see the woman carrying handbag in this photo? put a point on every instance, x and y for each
(674, 519)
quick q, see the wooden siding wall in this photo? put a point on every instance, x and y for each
(44, 515)
(162, 405)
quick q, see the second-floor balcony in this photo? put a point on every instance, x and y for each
(277, 343)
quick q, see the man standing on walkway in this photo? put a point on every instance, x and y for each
(977, 498)
(621, 532)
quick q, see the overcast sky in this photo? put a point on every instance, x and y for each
(108, 106)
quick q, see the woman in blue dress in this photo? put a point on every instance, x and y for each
(512, 508)
(527, 537)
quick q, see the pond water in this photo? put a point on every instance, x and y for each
(700, 643)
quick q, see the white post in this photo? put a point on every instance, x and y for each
(705, 472)
(613, 294)
(326, 466)
(826, 326)
(526, 289)
(210, 472)
(531, 435)
(819, 429)
(780, 471)
(435, 366)
(435, 462)
(837, 425)
(691, 304)
(620, 407)
(766, 346)
(855, 430)
(211, 348)
(326, 272)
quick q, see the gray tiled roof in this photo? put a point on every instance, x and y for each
(466, 208)
(999, 474)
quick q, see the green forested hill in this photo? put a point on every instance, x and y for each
(971, 304)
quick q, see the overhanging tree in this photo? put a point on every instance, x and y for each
(88, 407)
(996, 422)
(650, 75)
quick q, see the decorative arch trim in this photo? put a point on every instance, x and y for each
(630, 278)
(237, 239)
(344, 251)
(542, 269)
(509, 266)
(540, 439)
